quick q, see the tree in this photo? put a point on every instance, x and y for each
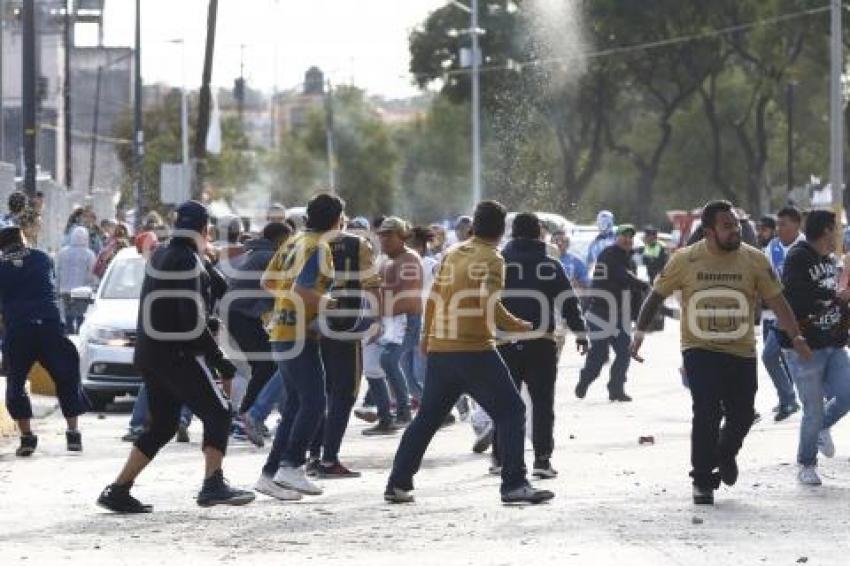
(227, 173)
(366, 159)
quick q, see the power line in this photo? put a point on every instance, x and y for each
(520, 65)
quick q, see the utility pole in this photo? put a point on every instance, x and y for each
(204, 102)
(836, 100)
(29, 95)
(240, 86)
(139, 134)
(329, 134)
(69, 45)
(476, 108)
(2, 112)
(789, 101)
(94, 129)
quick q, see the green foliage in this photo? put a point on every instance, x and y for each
(227, 173)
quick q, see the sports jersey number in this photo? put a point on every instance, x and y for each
(287, 318)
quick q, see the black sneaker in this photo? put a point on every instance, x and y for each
(484, 441)
(133, 435)
(311, 468)
(335, 471)
(117, 498)
(216, 491)
(728, 471)
(398, 495)
(785, 411)
(619, 397)
(74, 440)
(527, 494)
(383, 428)
(403, 418)
(28, 443)
(182, 433)
(581, 389)
(543, 470)
(703, 495)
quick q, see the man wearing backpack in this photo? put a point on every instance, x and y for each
(340, 345)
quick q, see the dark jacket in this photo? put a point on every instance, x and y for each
(176, 267)
(811, 282)
(614, 274)
(27, 287)
(248, 269)
(528, 267)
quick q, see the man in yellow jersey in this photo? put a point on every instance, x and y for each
(721, 280)
(299, 276)
(459, 338)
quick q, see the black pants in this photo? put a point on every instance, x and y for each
(721, 385)
(343, 368)
(535, 363)
(253, 340)
(42, 342)
(177, 382)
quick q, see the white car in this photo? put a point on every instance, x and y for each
(108, 335)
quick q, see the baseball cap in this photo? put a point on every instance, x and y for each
(626, 229)
(650, 229)
(359, 223)
(393, 224)
(191, 215)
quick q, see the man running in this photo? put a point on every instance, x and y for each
(459, 338)
(300, 275)
(177, 356)
(720, 280)
(810, 278)
(34, 334)
(787, 234)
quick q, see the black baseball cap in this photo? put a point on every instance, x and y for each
(192, 215)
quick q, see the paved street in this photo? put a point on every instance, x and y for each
(617, 502)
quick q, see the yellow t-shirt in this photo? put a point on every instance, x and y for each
(719, 294)
(306, 260)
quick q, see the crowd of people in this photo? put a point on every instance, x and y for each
(236, 324)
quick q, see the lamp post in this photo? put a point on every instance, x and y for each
(474, 31)
(836, 177)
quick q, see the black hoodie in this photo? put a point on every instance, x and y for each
(529, 268)
(811, 282)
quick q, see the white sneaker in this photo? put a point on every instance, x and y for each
(266, 486)
(809, 475)
(825, 444)
(296, 479)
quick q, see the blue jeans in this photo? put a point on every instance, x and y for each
(410, 345)
(485, 377)
(597, 357)
(828, 370)
(304, 387)
(773, 362)
(270, 395)
(139, 416)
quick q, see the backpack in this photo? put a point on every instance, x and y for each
(349, 291)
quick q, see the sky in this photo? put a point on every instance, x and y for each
(363, 40)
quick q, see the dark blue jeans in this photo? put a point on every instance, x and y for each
(342, 376)
(408, 355)
(484, 376)
(597, 357)
(774, 363)
(304, 389)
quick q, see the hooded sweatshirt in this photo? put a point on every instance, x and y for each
(247, 270)
(811, 282)
(529, 268)
(75, 262)
(27, 289)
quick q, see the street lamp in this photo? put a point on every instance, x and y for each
(474, 31)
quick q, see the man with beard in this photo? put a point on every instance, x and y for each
(720, 281)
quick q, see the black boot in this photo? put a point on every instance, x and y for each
(28, 443)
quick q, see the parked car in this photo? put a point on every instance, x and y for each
(107, 336)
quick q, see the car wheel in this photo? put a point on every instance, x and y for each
(99, 400)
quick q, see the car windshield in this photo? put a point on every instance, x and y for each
(125, 279)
